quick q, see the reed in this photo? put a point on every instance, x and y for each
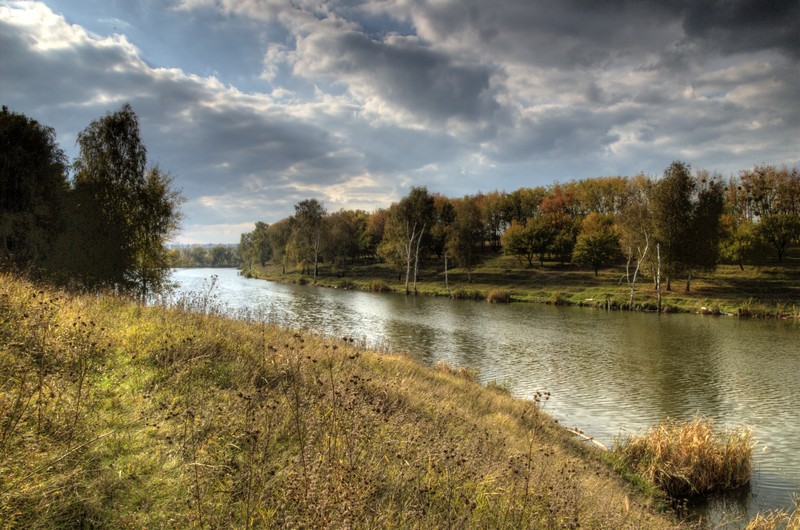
(777, 519)
(690, 457)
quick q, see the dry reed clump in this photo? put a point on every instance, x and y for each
(777, 519)
(690, 457)
(498, 296)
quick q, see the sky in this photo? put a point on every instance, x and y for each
(256, 105)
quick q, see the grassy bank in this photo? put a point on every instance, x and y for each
(768, 290)
(114, 415)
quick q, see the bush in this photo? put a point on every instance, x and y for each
(690, 457)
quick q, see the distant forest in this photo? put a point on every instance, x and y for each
(673, 226)
(205, 256)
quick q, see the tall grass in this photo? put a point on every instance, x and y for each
(690, 457)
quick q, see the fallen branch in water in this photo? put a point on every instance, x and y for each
(587, 438)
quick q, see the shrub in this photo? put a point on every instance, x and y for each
(498, 296)
(690, 457)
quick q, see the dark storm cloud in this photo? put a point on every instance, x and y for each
(745, 25)
(402, 71)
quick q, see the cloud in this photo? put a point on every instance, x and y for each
(254, 105)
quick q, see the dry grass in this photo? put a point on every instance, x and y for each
(778, 519)
(690, 457)
(114, 415)
(498, 296)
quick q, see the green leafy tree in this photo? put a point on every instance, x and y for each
(598, 243)
(122, 214)
(279, 235)
(307, 233)
(741, 243)
(532, 239)
(33, 185)
(342, 230)
(686, 220)
(465, 234)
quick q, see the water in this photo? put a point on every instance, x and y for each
(607, 372)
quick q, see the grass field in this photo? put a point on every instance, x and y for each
(768, 290)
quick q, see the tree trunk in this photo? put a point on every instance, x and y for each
(446, 283)
(689, 283)
(658, 276)
(416, 258)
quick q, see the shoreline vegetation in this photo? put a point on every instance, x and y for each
(116, 414)
(771, 290)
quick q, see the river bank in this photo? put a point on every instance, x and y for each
(120, 415)
(767, 291)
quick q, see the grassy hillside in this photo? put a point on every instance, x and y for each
(770, 289)
(114, 415)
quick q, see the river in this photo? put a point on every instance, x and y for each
(607, 372)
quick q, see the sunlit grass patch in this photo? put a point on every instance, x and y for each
(690, 457)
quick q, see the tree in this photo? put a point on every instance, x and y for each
(532, 239)
(686, 220)
(121, 213)
(597, 243)
(33, 185)
(307, 232)
(406, 227)
(633, 226)
(741, 243)
(465, 234)
(773, 196)
(279, 234)
(342, 238)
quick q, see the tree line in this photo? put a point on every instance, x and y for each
(219, 255)
(668, 227)
(103, 227)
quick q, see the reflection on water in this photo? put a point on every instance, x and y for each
(608, 372)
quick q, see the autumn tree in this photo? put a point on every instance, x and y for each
(598, 243)
(773, 195)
